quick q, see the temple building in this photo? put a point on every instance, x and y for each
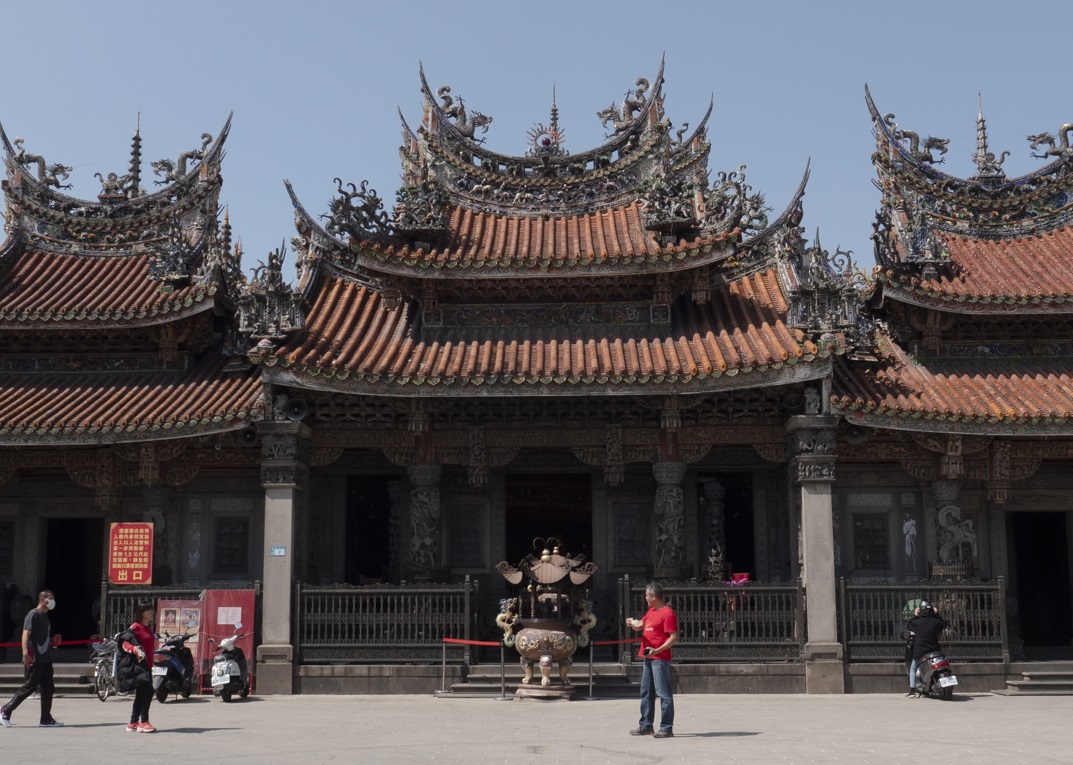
(619, 347)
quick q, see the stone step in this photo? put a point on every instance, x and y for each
(1040, 683)
(69, 679)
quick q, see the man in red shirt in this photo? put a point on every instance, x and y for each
(659, 631)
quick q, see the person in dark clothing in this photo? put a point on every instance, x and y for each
(142, 649)
(37, 644)
(926, 626)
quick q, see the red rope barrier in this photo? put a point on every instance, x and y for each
(616, 642)
(64, 644)
(470, 642)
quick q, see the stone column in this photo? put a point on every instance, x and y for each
(811, 440)
(669, 509)
(714, 496)
(424, 519)
(285, 477)
(156, 512)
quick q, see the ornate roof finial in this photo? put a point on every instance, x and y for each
(547, 140)
(989, 168)
(136, 159)
(225, 234)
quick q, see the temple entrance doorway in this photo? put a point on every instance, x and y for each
(368, 528)
(738, 526)
(1041, 554)
(74, 565)
(541, 505)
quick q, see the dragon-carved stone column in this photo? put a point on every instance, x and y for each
(424, 519)
(811, 442)
(669, 509)
(285, 456)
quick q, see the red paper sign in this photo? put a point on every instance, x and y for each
(130, 553)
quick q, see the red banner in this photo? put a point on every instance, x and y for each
(130, 553)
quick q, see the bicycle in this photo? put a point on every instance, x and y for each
(104, 659)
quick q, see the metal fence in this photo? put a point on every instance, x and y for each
(723, 622)
(118, 601)
(383, 623)
(872, 619)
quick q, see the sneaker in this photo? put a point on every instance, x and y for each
(146, 727)
(132, 726)
(912, 694)
(641, 732)
(51, 724)
(664, 733)
(5, 721)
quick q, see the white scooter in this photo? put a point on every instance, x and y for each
(230, 672)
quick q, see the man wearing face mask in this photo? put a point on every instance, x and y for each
(37, 644)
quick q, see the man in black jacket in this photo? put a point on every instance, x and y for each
(925, 627)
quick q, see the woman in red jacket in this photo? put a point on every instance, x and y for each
(142, 649)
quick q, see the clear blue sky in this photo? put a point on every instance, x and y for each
(315, 87)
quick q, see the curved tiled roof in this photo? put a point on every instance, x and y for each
(996, 275)
(120, 406)
(352, 334)
(955, 395)
(49, 287)
(606, 240)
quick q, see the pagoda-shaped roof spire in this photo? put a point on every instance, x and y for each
(989, 169)
(136, 159)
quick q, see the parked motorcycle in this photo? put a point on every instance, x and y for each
(934, 676)
(230, 672)
(173, 666)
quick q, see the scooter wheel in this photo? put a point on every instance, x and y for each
(162, 694)
(947, 694)
(226, 696)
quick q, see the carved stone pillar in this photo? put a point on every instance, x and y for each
(285, 458)
(955, 537)
(424, 519)
(714, 496)
(156, 512)
(669, 509)
(811, 441)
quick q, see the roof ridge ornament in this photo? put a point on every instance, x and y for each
(466, 124)
(913, 138)
(547, 140)
(989, 168)
(621, 118)
(49, 175)
(1062, 149)
(176, 171)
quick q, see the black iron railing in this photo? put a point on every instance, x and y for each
(383, 623)
(872, 619)
(724, 622)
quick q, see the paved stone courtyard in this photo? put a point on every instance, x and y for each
(861, 730)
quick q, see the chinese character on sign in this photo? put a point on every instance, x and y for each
(130, 553)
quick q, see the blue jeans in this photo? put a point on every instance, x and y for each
(656, 681)
(913, 674)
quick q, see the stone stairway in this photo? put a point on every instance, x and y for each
(70, 679)
(609, 681)
(1040, 683)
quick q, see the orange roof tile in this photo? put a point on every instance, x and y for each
(352, 334)
(995, 274)
(116, 406)
(606, 239)
(50, 287)
(953, 394)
